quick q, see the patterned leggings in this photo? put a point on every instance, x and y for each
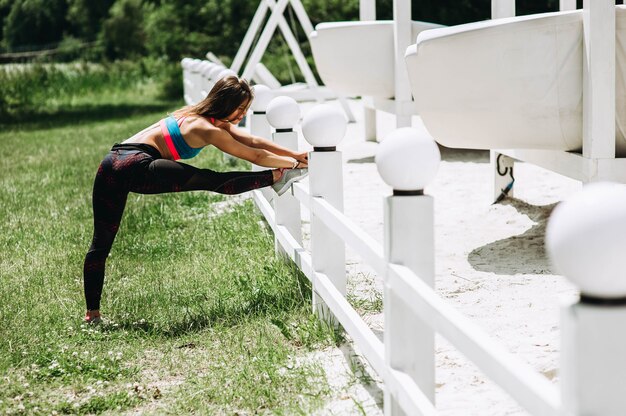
(140, 168)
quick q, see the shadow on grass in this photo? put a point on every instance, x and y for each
(249, 306)
(42, 119)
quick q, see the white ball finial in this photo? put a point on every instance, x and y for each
(215, 71)
(586, 239)
(208, 66)
(324, 126)
(408, 159)
(262, 97)
(195, 64)
(227, 72)
(283, 112)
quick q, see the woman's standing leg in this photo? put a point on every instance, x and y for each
(109, 201)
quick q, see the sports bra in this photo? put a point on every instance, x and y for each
(174, 140)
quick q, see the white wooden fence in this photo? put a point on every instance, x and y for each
(413, 310)
(593, 369)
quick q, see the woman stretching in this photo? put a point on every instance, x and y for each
(146, 164)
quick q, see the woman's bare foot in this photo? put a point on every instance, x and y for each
(93, 317)
(277, 174)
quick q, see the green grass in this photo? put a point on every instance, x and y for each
(203, 317)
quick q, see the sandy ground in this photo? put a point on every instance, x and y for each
(490, 264)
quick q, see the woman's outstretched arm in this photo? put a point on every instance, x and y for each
(257, 142)
(259, 156)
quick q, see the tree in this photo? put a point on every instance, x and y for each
(34, 22)
(122, 33)
(85, 17)
(331, 10)
(177, 28)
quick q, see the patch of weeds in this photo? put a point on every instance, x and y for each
(359, 372)
(68, 365)
(99, 403)
(359, 406)
(53, 398)
(309, 332)
(363, 295)
(370, 305)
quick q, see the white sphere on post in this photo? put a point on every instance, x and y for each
(586, 239)
(195, 65)
(262, 97)
(215, 71)
(324, 126)
(202, 66)
(408, 160)
(283, 112)
(208, 66)
(226, 72)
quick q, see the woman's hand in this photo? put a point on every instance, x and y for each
(301, 157)
(300, 165)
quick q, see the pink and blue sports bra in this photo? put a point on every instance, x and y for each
(178, 147)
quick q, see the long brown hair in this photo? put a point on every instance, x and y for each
(225, 97)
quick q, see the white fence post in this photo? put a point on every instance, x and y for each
(402, 38)
(408, 161)
(586, 236)
(283, 113)
(206, 83)
(502, 165)
(323, 127)
(194, 72)
(259, 126)
(213, 75)
(599, 79)
(502, 8)
(367, 10)
(187, 83)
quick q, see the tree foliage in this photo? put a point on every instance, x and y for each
(122, 33)
(85, 17)
(173, 28)
(33, 22)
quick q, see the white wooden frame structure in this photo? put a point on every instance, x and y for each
(597, 161)
(253, 68)
(276, 19)
(402, 103)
